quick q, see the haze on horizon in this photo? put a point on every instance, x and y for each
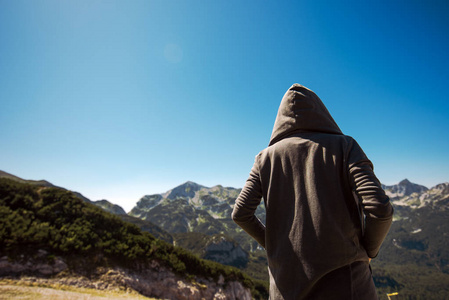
(117, 100)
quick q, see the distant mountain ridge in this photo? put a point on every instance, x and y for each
(218, 201)
(412, 195)
(186, 207)
(403, 188)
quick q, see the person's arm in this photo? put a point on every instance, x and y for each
(246, 205)
(376, 206)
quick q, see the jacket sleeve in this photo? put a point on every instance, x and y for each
(376, 206)
(246, 204)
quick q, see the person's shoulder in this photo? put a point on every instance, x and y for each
(347, 142)
(267, 152)
(347, 139)
(352, 142)
(340, 139)
(264, 151)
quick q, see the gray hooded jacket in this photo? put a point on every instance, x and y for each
(325, 208)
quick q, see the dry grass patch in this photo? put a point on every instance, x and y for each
(14, 289)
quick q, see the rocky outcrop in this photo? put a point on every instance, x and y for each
(41, 265)
(152, 280)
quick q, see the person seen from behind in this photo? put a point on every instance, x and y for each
(326, 212)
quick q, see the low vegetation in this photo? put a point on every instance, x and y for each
(55, 220)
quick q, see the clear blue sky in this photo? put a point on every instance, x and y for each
(118, 99)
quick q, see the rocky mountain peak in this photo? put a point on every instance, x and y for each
(405, 182)
(185, 190)
(110, 207)
(443, 188)
(403, 188)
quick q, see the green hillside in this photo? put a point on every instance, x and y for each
(55, 220)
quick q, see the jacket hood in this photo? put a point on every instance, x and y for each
(302, 111)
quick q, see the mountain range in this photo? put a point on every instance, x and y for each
(413, 260)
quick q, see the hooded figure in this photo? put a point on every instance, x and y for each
(326, 212)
